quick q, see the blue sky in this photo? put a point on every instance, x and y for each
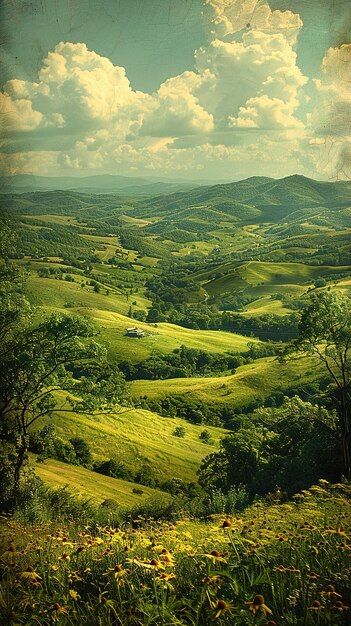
(216, 89)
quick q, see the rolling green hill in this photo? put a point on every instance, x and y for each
(111, 316)
(94, 487)
(137, 437)
(256, 381)
(109, 257)
(248, 276)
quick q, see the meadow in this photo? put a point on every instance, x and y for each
(273, 564)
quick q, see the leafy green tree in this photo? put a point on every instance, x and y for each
(39, 361)
(238, 461)
(291, 447)
(205, 437)
(82, 451)
(114, 468)
(325, 331)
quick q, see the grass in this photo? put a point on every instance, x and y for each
(62, 220)
(138, 437)
(264, 306)
(285, 564)
(90, 485)
(252, 274)
(110, 312)
(164, 338)
(256, 381)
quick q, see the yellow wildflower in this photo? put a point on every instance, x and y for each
(57, 611)
(315, 606)
(217, 557)
(221, 607)
(257, 604)
(10, 554)
(340, 606)
(30, 575)
(330, 592)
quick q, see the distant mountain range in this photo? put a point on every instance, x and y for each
(289, 201)
(130, 186)
(258, 197)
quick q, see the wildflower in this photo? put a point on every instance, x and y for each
(330, 592)
(106, 601)
(67, 542)
(65, 557)
(221, 607)
(213, 581)
(99, 541)
(168, 559)
(315, 606)
(54, 568)
(257, 604)
(10, 554)
(119, 572)
(57, 611)
(227, 523)
(217, 557)
(154, 564)
(293, 569)
(30, 575)
(340, 606)
(167, 577)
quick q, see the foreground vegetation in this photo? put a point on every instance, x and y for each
(274, 564)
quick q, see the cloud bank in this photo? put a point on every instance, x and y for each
(243, 110)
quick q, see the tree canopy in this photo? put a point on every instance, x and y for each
(325, 331)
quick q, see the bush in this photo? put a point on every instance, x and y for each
(64, 451)
(205, 437)
(237, 499)
(179, 432)
(113, 468)
(82, 451)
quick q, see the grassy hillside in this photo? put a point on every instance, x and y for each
(250, 275)
(251, 382)
(110, 314)
(94, 487)
(136, 437)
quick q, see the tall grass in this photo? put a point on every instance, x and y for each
(283, 564)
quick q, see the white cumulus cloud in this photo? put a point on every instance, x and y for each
(330, 118)
(240, 105)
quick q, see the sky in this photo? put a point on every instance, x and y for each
(187, 89)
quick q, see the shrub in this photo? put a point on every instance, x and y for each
(64, 451)
(113, 468)
(179, 431)
(82, 451)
